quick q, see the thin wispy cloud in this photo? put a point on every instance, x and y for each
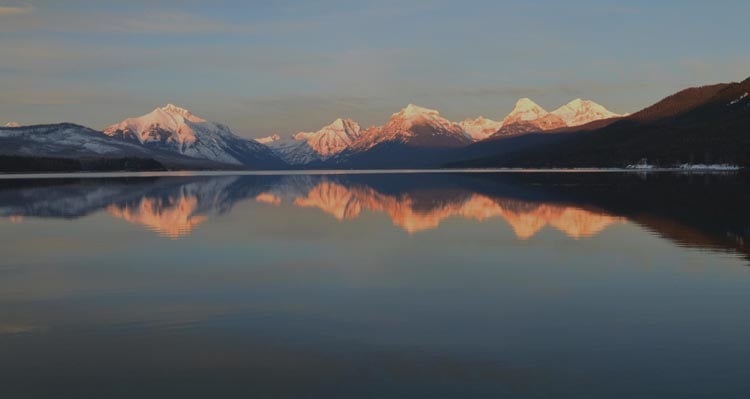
(15, 10)
(295, 64)
(171, 21)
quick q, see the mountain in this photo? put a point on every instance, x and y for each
(580, 112)
(305, 148)
(290, 150)
(528, 116)
(12, 124)
(412, 137)
(525, 110)
(70, 147)
(174, 129)
(332, 139)
(480, 128)
(705, 125)
(416, 127)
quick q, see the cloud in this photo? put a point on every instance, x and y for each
(158, 19)
(15, 10)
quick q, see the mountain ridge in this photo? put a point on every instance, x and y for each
(175, 129)
(705, 124)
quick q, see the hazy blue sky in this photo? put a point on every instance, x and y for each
(284, 66)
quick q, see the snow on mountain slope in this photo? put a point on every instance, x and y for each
(740, 98)
(416, 126)
(580, 112)
(307, 147)
(480, 128)
(176, 129)
(332, 139)
(525, 110)
(529, 116)
(63, 140)
(269, 139)
(292, 151)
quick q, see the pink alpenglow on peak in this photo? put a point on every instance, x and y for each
(416, 126)
(332, 139)
(415, 114)
(12, 124)
(481, 127)
(525, 110)
(527, 116)
(175, 129)
(580, 112)
(307, 147)
(179, 122)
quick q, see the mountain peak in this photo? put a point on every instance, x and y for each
(175, 110)
(417, 126)
(578, 102)
(580, 112)
(415, 110)
(524, 111)
(526, 104)
(344, 123)
(480, 128)
(12, 124)
(333, 138)
(175, 129)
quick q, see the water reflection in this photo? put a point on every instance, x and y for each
(526, 218)
(173, 218)
(579, 205)
(476, 286)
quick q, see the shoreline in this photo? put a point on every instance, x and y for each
(190, 173)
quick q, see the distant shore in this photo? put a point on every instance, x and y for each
(94, 174)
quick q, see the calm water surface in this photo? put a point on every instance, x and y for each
(401, 285)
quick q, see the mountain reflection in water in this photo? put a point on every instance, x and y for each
(703, 211)
(526, 218)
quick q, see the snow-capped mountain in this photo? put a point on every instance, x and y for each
(90, 149)
(580, 112)
(175, 129)
(480, 128)
(530, 113)
(417, 127)
(525, 110)
(63, 139)
(344, 139)
(292, 151)
(307, 147)
(332, 139)
(12, 124)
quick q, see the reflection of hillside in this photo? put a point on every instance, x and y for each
(705, 212)
(525, 218)
(173, 217)
(268, 199)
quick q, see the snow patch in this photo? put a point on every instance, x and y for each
(268, 139)
(742, 97)
(580, 112)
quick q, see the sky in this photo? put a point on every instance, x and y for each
(266, 67)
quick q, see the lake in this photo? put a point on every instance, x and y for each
(382, 285)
